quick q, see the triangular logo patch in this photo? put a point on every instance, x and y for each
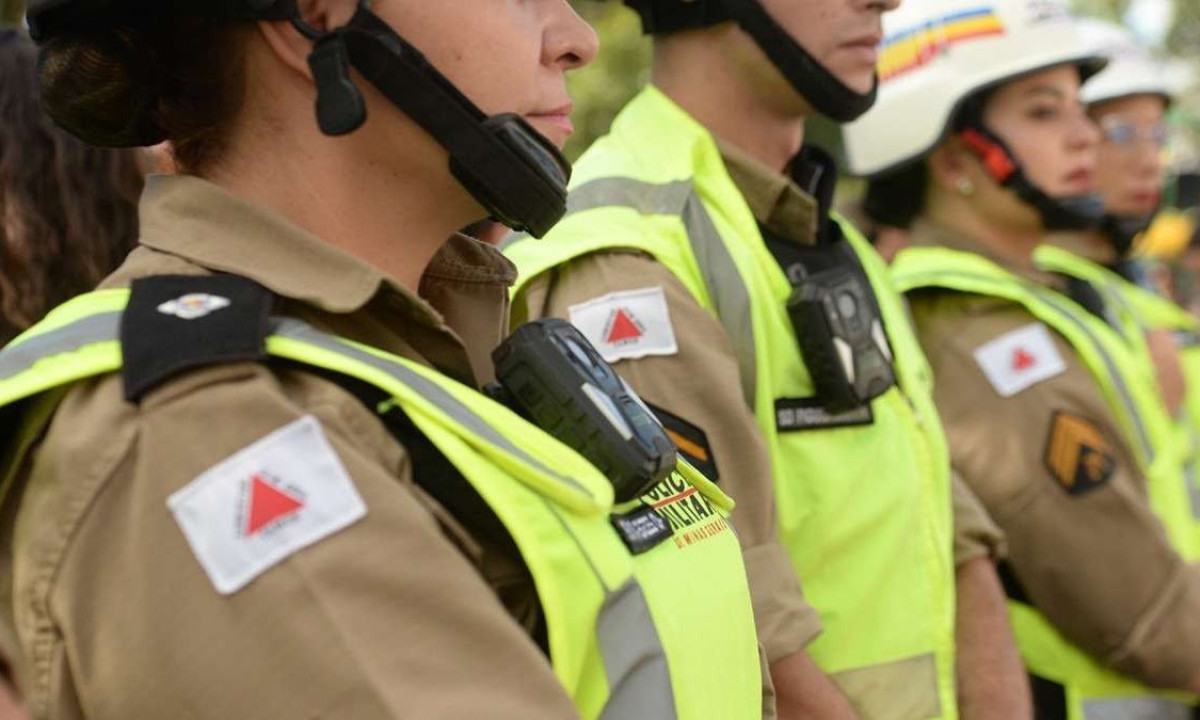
(627, 325)
(623, 327)
(1020, 358)
(1023, 359)
(268, 504)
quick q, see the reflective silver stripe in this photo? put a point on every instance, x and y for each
(1135, 708)
(939, 280)
(435, 394)
(105, 327)
(19, 357)
(1192, 470)
(726, 289)
(639, 680)
(1131, 408)
(634, 659)
(1192, 467)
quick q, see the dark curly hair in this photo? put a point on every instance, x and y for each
(68, 211)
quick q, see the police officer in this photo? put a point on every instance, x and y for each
(1050, 420)
(252, 476)
(1128, 100)
(699, 257)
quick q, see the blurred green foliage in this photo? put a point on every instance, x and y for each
(600, 90)
(11, 11)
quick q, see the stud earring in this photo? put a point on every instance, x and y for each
(965, 187)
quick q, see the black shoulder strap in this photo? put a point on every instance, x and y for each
(179, 322)
(1088, 297)
(433, 472)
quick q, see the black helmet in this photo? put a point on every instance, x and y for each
(512, 170)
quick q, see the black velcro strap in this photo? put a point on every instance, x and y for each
(433, 472)
(1088, 297)
(175, 323)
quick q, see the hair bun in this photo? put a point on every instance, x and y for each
(104, 87)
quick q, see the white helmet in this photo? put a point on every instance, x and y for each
(936, 53)
(1130, 71)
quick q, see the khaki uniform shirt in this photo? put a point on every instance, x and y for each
(701, 384)
(1051, 466)
(403, 614)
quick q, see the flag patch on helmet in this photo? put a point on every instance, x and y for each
(914, 47)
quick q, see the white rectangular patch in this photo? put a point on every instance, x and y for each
(267, 501)
(1021, 358)
(627, 325)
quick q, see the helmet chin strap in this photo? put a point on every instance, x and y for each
(821, 88)
(813, 81)
(513, 171)
(1074, 212)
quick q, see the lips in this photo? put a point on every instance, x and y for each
(870, 40)
(1147, 199)
(557, 120)
(1082, 180)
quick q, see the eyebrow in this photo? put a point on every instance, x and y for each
(1047, 90)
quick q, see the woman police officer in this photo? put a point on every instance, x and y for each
(252, 477)
(979, 139)
(1128, 100)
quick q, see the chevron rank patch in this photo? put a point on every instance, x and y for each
(1078, 455)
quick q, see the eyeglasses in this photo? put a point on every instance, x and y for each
(1125, 134)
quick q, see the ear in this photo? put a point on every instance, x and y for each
(950, 163)
(293, 48)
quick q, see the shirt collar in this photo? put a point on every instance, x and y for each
(205, 224)
(776, 202)
(463, 292)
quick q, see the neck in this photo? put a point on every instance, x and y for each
(393, 209)
(695, 70)
(1091, 244)
(951, 211)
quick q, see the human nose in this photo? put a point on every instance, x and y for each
(569, 41)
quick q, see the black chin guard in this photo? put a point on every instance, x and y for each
(518, 175)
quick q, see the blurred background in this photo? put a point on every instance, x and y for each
(1171, 28)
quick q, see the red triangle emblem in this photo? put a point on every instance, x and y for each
(623, 328)
(1023, 359)
(268, 504)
